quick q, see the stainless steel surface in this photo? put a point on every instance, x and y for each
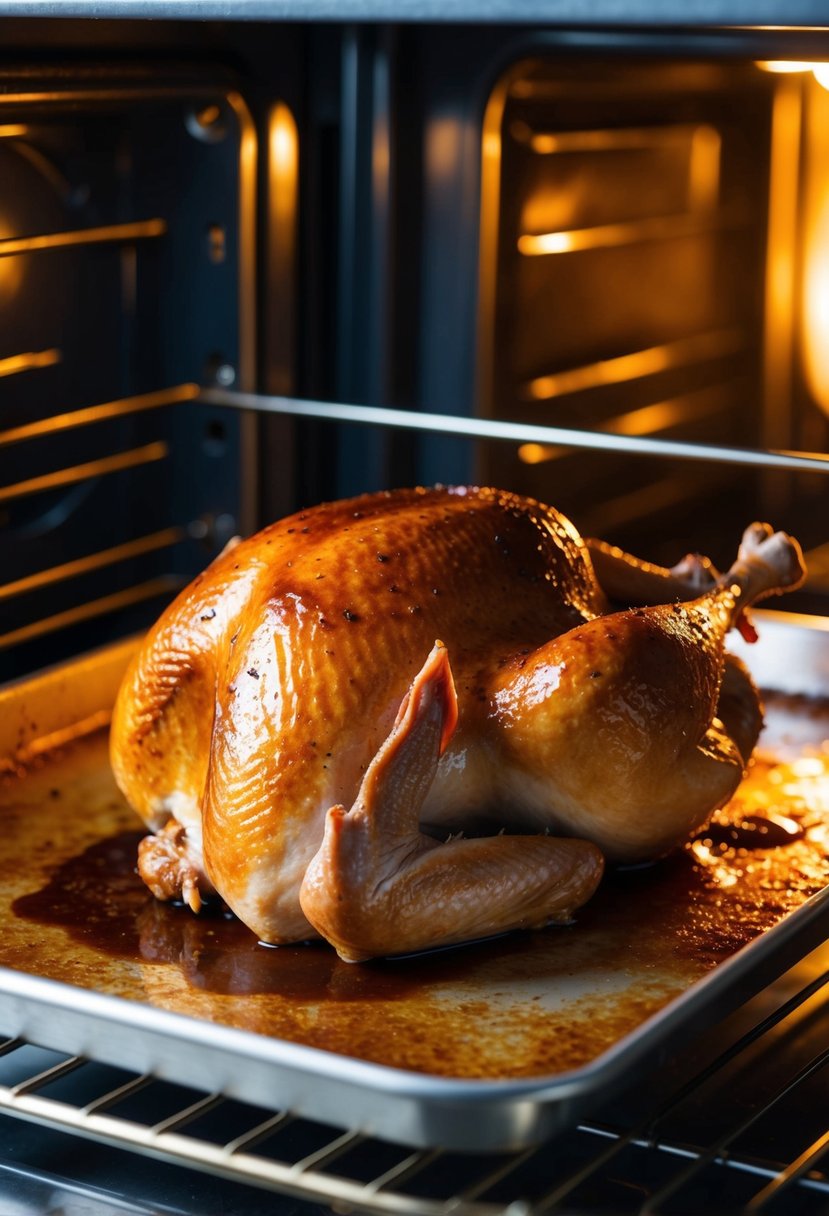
(555, 12)
(657, 1136)
(518, 432)
(782, 663)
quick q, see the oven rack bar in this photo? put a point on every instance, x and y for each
(281, 1152)
(692, 351)
(165, 538)
(148, 453)
(517, 432)
(104, 234)
(648, 230)
(103, 412)
(29, 361)
(162, 586)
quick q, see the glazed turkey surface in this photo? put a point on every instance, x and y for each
(365, 721)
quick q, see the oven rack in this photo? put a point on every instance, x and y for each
(650, 1161)
(151, 566)
(514, 432)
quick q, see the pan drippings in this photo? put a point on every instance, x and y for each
(520, 1005)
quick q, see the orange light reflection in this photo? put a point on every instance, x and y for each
(11, 271)
(815, 299)
(636, 364)
(785, 66)
(29, 361)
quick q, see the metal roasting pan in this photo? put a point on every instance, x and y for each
(487, 1047)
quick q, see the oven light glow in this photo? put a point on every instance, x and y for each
(283, 144)
(786, 66)
(11, 271)
(816, 300)
(815, 282)
(536, 453)
(790, 67)
(704, 169)
(554, 242)
(781, 269)
(280, 264)
(609, 236)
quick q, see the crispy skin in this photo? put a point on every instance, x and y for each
(268, 688)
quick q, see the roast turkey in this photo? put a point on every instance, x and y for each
(421, 717)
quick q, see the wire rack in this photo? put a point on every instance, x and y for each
(738, 1123)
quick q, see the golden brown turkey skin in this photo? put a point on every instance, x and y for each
(281, 684)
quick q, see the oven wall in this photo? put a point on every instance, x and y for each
(380, 232)
(700, 275)
(683, 314)
(133, 179)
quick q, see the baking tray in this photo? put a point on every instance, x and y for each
(484, 1047)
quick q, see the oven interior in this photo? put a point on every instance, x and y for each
(622, 234)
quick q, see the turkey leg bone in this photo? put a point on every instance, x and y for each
(630, 721)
